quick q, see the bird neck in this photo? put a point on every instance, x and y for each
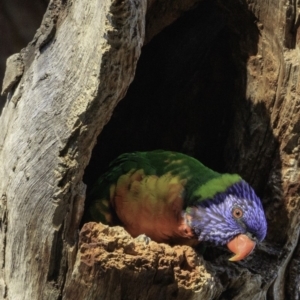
(185, 232)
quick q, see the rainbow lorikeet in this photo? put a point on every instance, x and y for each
(173, 198)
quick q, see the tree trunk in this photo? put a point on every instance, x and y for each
(220, 83)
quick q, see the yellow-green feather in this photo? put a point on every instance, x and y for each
(200, 182)
(215, 185)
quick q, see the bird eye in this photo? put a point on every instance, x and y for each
(237, 213)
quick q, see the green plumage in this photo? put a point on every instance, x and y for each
(143, 187)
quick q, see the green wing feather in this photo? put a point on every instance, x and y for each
(200, 182)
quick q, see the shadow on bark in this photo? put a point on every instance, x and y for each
(18, 20)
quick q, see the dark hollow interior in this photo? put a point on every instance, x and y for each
(184, 94)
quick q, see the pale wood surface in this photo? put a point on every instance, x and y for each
(76, 70)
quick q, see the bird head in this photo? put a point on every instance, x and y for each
(234, 218)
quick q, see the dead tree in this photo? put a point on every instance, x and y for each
(226, 72)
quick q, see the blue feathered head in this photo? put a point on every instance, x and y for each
(229, 214)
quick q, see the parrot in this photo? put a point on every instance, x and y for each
(173, 198)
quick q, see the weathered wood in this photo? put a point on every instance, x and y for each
(110, 264)
(268, 144)
(76, 70)
(13, 73)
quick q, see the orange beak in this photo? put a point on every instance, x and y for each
(241, 246)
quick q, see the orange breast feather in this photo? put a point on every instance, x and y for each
(152, 205)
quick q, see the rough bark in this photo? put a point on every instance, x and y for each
(271, 145)
(112, 265)
(63, 88)
(76, 69)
